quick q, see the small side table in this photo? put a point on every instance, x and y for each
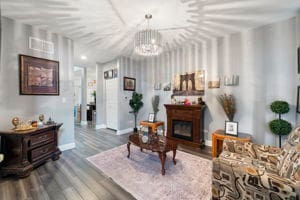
(153, 125)
(217, 140)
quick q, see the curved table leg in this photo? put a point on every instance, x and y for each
(174, 155)
(128, 148)
(162, 156)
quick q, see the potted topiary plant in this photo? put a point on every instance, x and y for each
(279, 126)
(155, 104)
(136, 104)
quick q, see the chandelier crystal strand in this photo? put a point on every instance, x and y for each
(148, 42)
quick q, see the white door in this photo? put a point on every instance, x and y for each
(111, 87)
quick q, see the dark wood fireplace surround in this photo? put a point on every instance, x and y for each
(194, 114)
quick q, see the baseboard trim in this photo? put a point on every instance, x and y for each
(66, 147)
(84, 123)
(124, 131)
(100, 126)
(208, 143)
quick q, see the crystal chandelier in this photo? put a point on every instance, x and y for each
(148, 42)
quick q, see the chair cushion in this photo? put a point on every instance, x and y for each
(237, 159)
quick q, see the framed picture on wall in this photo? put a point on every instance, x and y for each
(129, 84)
(298, 99)
(231, 128)
(110, 74)
(106, 75)
(298, 60)
(38, 76)
(115, 73)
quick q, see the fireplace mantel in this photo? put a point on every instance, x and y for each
(193, 114)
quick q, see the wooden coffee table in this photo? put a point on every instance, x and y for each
(159, 144)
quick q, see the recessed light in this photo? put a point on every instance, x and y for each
(83, 57)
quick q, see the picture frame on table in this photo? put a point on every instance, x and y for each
(151, 117)
(129, 84)
(38, 76)
(231, 128)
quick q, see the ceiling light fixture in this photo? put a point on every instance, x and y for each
(83, 57)
(148, 42)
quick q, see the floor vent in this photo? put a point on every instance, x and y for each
(41, 45)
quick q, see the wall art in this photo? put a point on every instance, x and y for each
(231, 80)
(213, 84)
(298, 60)
(298, 99)
(157, 86)
(129, 84)
(189, 84)
(38, 76)
(167, 87)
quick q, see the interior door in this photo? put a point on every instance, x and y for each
(111, 86)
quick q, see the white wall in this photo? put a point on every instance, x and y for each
(15, 41)
(265, 60)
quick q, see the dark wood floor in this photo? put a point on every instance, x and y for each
(72, 176)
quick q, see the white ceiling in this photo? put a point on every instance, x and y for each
(104, 29)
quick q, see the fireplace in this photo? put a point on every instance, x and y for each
(185, 124)
(182, 129)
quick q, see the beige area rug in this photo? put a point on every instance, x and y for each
(140, 174)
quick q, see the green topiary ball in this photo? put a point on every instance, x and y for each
(280, 107)
(280, 127)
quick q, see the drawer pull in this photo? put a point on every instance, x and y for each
(44, 150)
(43, 136)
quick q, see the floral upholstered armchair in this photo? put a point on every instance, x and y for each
(251, 171)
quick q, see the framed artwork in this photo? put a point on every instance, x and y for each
(38, 76)
(298, 60)
(231, 80)
(298, 99)
(129, 84)
(189, 84)
(151, 117)
(213, 84)
(167, 87)
(231, 128)
(115, 73)
(110, 74)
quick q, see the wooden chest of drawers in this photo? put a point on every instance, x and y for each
(25, 150)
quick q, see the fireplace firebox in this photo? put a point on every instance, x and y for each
(186, 124)
(182, 129)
